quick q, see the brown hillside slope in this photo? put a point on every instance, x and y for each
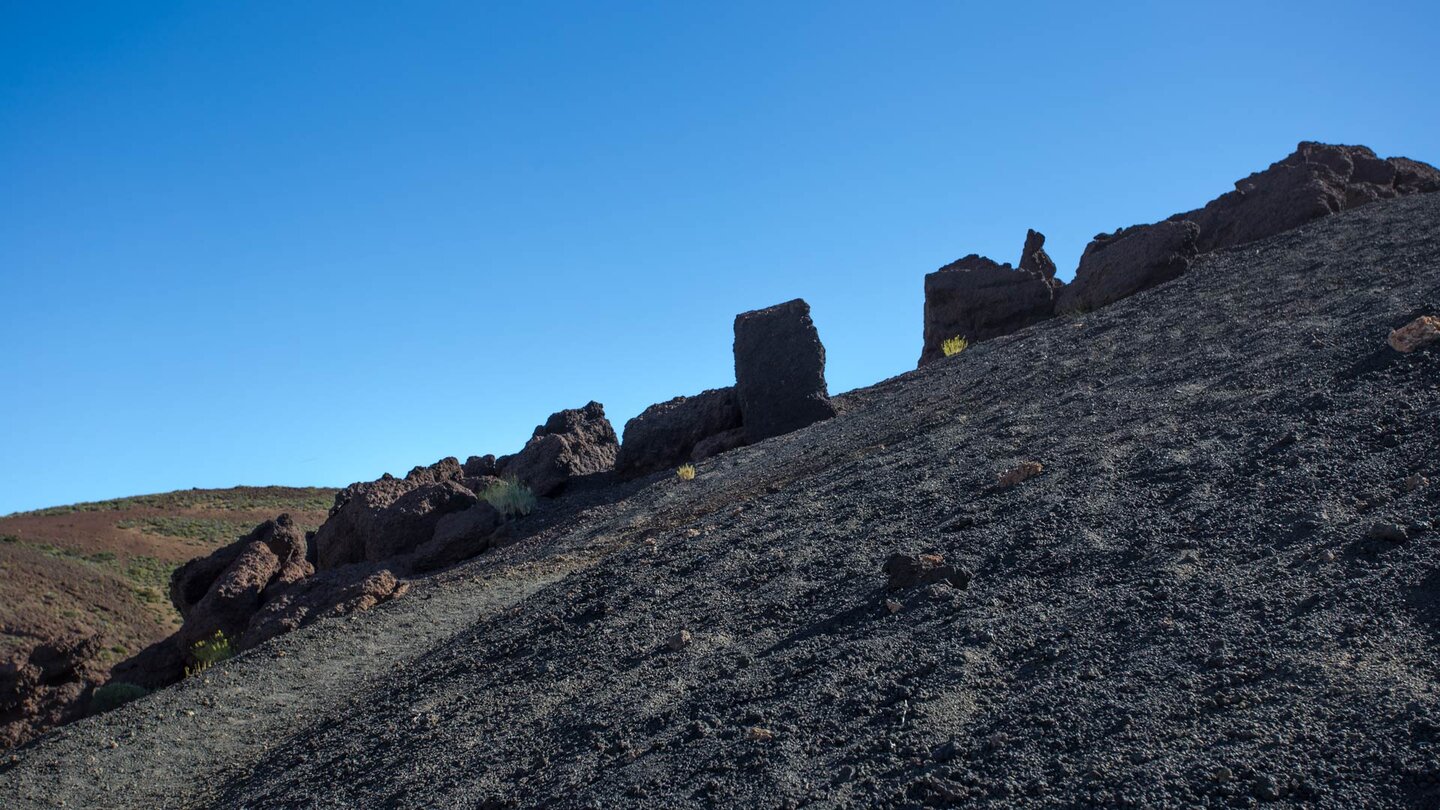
(83, 586)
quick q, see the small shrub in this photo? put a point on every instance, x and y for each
(686, 472)
(208, 652)
(112, 696)
(954, 346)
(510, 497)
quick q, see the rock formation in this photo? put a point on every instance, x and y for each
(391, 516)
(45, 686)
(978, 299)
(779, 371)
(666, 434)
(1316, 180)
(1033, 258)
(578, 441)
(1118, 265)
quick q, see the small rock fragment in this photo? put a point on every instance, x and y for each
(679, 641)
(1416, 481)
(759, 734)
(1417, 334)
(1388, 532)
(1020, 472)
(892, 606)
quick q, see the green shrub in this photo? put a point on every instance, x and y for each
(510, 497)
(208, 652)
(113, 695)
(954, 346)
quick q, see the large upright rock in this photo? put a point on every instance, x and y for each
(1123, 263)
(382, 519)
(1315, 181)
(572, 442)
(977, 299)
(665, 434)
(1033, 258)
(779, 370)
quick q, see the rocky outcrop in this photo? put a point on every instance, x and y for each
(779, 371)
(977, 299)
(1033, 258)
(479, 466)
(45, 686)
(382, 519)
(577, 441)
(458, 536)
(329, 594)
(1118, 265)
(221, 591)
(1316, 180)
(666, 434)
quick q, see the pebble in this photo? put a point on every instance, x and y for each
(892, 606)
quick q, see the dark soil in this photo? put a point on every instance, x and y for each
(1219, 592)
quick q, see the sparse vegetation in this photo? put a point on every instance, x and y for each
(112, 696)
(276, 499)
(954, 346)
(686, 472)
(206, 530)
(510, 497)
(208, 652)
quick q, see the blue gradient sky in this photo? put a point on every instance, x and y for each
(308, 243)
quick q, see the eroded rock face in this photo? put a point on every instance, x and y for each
(45, 686)
(328, 594)
(577, 441)
(977, 299)
(779, 371)
(717, 444)
(1033, 258)
(221, 591)
(666, 434)
(1315, 181)
(1120, 264)
(381, 519)
(458, 536)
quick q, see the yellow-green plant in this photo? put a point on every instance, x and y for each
(208, 652)
(510, 497)
(954, 346)
(686, 472)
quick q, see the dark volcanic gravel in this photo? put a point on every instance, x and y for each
(1221, 590)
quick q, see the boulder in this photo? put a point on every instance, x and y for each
(328, 594)
(779, 371)
(458, 536)
(221, 591)
(1315, 181)
(664, 435)
(1118, 265)
(479, 466)
(578, 441)
(717, 444)
(978, 299)
(909, 570)
(1033, 258)
(1417, 334)
(45, 685)
(388, 517)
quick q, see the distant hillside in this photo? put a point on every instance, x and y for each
(90, 579)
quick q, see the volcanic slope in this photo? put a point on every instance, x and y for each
(1223, 589)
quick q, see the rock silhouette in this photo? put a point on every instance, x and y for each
(779, 371)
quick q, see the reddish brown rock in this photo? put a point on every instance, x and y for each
(573, 442)
(389, 517)
(1417, 334)
(479, 466)
(1315, 181)
(1020, 472)
(45, 686)
(328, 594)
(779, 371)
(665, 435)
(1118, 265)
(977, 299)
(458, 536)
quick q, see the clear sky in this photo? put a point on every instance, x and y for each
(309, 243)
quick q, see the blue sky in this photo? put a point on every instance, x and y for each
(308, 243)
